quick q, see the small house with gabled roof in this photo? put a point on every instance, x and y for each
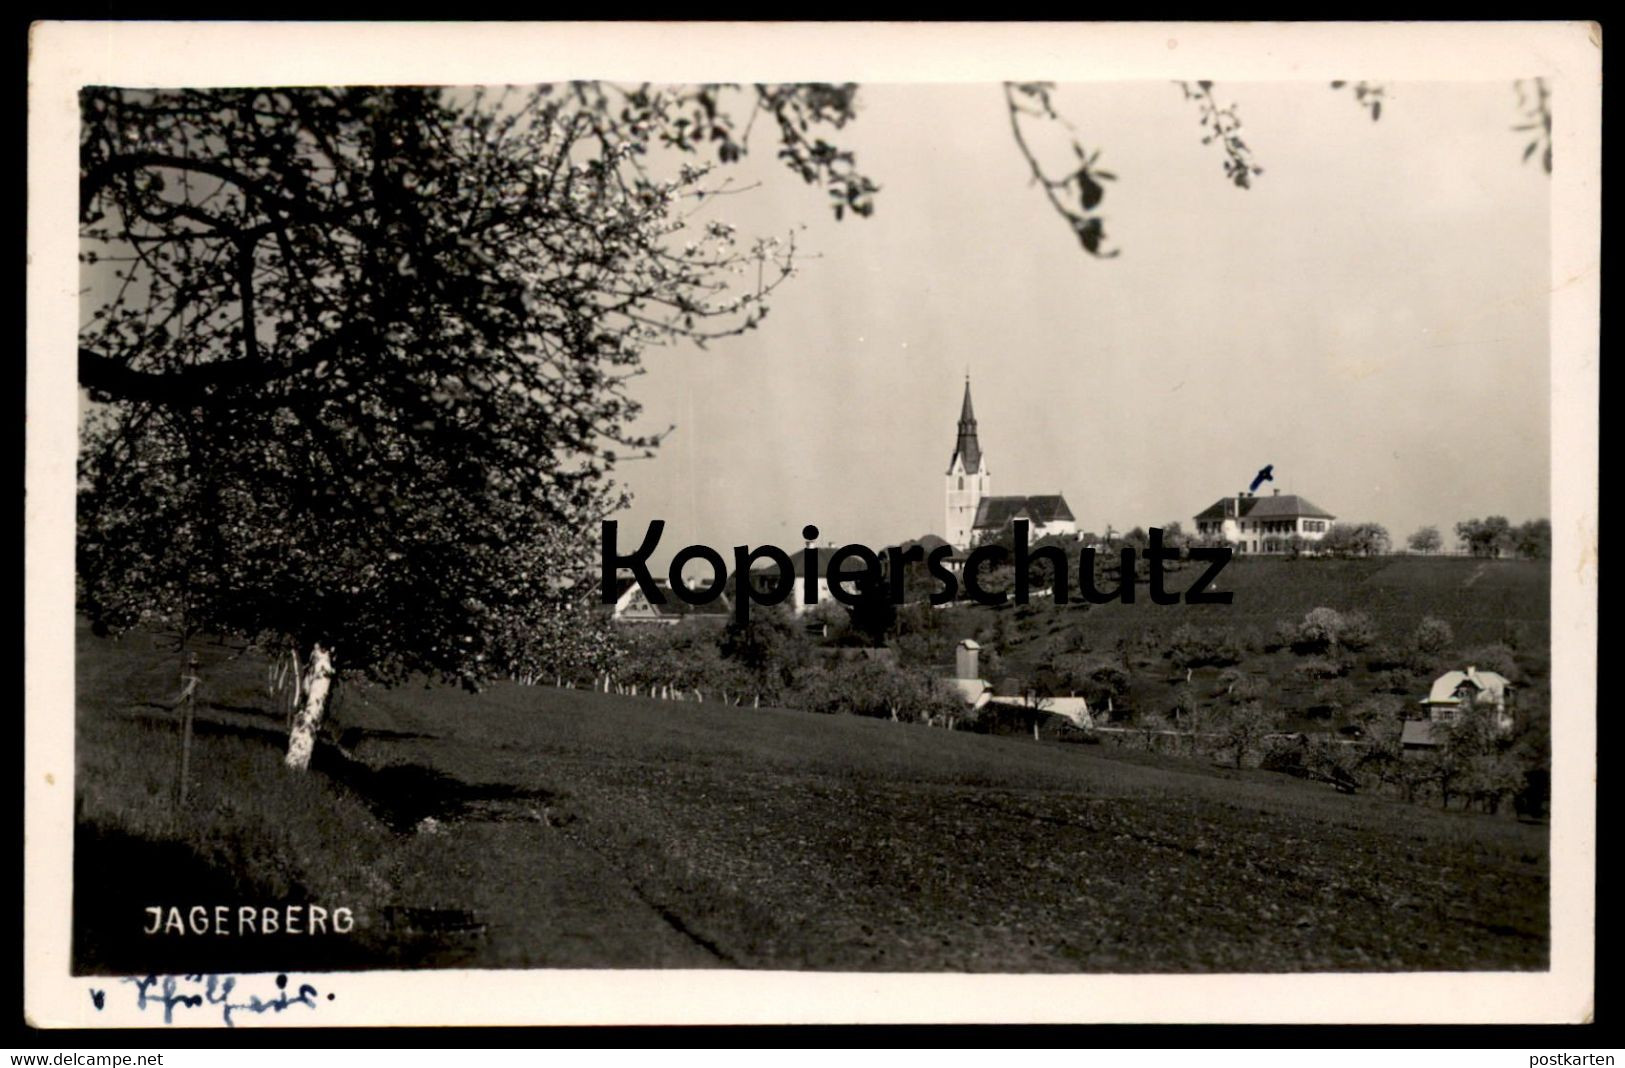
(631, 606)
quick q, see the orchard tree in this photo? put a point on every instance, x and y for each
(1533, 540)
(1355, 539)
(1425, 540)
(1243, 728)
(360, 355)
(1486, 537)
(1432, 636)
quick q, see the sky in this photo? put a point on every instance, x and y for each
(1370, 318)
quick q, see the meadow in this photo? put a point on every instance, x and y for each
(538, 827)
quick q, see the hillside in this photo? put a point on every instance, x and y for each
(1483, 601)
(534, 827)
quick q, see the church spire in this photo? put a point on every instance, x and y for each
(966, 447)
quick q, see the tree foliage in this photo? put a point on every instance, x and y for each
(1425, 540)
(362, 354)
(1355, 539)
(1433, 636)
(1489, 537)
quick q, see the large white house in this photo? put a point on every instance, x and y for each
(1254, 524)
(973, 512)
(1450, 694)
(815, 559)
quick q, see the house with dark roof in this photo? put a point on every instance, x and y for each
(632, 607)
(1254, 524)
(973, 512)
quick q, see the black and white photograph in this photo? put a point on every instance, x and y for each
(942, 528)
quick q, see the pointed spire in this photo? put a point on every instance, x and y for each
(966, 447)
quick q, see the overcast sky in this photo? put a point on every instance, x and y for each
(1370, 317)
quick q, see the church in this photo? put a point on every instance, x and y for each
(974, 513)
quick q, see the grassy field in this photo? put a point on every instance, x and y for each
(533, 827)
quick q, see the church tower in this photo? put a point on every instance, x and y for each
(968, 478)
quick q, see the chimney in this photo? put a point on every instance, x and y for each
(965, 657)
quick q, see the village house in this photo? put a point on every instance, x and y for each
(973, 513)
(1254, 524)
(1452, 692)
(632, 607)
(978, 693)
(816, 560)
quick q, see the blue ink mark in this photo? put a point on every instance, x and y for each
(1265, 474)
(99, 998)
(215, 990)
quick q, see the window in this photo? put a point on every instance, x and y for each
(961, 481)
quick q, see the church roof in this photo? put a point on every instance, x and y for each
(966, 447)
(996, 512)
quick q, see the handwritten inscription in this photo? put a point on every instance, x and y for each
(175, 996)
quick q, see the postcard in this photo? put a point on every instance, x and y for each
(781, 523)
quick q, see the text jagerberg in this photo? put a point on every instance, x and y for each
(778, 583)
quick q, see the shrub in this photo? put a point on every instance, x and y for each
(1398, 680)
(1384, 657)
(1321, 667)
(1283, 637)
(1320, 631)
(1357, 632)
(1433, 636)
(1190, 647)
(1331, 696)
(1495, 657)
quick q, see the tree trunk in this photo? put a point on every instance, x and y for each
(318, 681)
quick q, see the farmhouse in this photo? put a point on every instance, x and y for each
(977, 693)
(1454, 691)
(973, 512)
(1254, 524)
(809, 559)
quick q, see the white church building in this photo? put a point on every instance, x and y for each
(974, 512)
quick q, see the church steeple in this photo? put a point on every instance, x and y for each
(966, 447)
(968, 479)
